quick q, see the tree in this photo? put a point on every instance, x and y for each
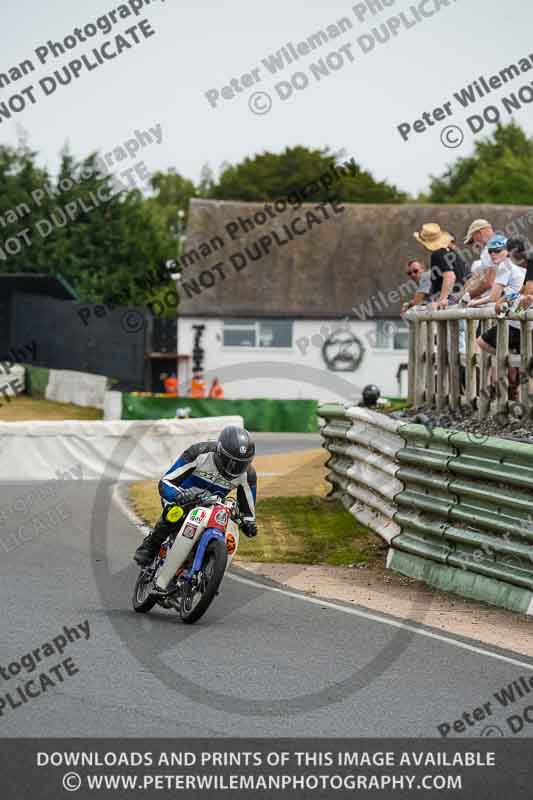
(207, 182)
(102, 236)
(270, 176)
(172, 193)
(25, 196)
(499, 171)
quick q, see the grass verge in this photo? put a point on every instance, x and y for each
(25, 409)
(292, 530)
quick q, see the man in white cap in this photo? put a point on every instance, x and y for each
(479, 233)
(483, 270)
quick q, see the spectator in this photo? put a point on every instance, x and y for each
(508, 283)
(448, 269)
(216, 392)
(522, 255)
(483, 271)
(479, 283)
(421, 277)
(478, 234)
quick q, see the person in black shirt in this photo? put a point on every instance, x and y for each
(448, 269)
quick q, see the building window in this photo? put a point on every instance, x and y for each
(261, 333)
(392, 334)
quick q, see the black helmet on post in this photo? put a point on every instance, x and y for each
(235, 451)
(371, 395)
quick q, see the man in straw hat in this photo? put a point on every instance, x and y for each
(448, 269)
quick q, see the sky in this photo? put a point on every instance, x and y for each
(354, 105)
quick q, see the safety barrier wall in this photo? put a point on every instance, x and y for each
(456, 511)
(261, 414)
(125, 451)
(362, 464)
(67, 386)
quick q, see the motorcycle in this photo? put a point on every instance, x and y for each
(193, 562)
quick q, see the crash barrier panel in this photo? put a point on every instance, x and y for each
(67, 386)
(446, 369)
(121, 450)
(459, 509)
(79, 388)
(113, 405)
(362, 466)
(262, 414)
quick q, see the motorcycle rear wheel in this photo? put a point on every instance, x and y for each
(195, 602)
(143, 599)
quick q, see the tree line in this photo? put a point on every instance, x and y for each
(114, 247)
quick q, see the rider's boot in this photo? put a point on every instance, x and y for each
(148, 549)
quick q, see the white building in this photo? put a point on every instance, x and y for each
(307, 318)
(286, 358)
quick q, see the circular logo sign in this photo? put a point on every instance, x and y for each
(342, 351)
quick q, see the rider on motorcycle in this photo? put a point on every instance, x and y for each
(203, 470)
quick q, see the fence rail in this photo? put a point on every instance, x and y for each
(448, 371)
(455, 512)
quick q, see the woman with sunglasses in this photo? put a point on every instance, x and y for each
(507, 286)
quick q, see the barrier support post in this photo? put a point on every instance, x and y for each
(502, 367)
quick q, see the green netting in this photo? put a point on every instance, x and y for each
(279, 416)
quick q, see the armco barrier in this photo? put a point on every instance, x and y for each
(457, 513)
(116, 451)
(362, 465)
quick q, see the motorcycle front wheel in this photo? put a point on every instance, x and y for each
(196, 601)
(143, 600)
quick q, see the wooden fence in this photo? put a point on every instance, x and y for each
(447, 370)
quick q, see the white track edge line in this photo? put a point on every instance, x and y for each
(130, 513)
(384, 620)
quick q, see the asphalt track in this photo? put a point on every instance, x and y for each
(266, 444)
(263, 662)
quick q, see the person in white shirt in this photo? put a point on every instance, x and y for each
(507, 285)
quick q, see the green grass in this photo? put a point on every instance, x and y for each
(397, 404)
(307, 530)
(292, 530)
(24, 409)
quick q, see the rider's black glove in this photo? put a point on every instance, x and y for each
(207, 499)
(187, 497)
(249, 528)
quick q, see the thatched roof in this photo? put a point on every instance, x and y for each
(335, 266)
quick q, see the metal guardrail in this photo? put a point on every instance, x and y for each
(440, 496)
(362, 466)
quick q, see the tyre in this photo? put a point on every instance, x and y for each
(142, 597)
(195, 602)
